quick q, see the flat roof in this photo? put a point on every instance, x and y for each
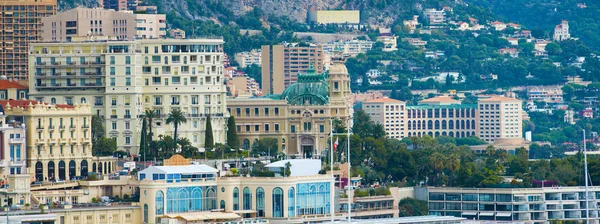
(453, 106)
(413, 219)
(187, 169)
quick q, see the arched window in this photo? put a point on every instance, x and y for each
(183, 204)
(437, 125)
(260, 202)
(94, 167)
(211, 199)
(166, 60)
(39, 171)
(23, 95)
(277, 203)
(62, 170)
(184, 59)
(53, 100)
(160, 202)
(72, 169)
(100, 168)
(291, 202)
(429, 125)
(82, 100)
(443, 124)
(84, 168)
(247, 199)
(112, 60)
(246, 144)
(222, 204)
(236, 199)
(197, 199)
(146, 60)
(171, 201)
(145, 213)
(450, 124)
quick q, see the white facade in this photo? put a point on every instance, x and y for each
(435, 16)
(389, 113)
(247, 58)
(561, 31)
(349, 47)
(125, 78)
(554, 94)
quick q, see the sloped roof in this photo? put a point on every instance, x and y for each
(189, 169)
(384, 100)
(8, 84)
(440, 99)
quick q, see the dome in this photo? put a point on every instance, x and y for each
(338, 68)
(311, 89)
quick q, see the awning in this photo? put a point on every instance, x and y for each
(244, 211)
(469, 213)
(486, 214)
(503, 214)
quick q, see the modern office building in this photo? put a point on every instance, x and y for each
(492, 119)
(122, 79)
(20, 24)
(299, 118)
(523, 205)
(101, 22)
(58, 139)
(193, 191)
(281, 64)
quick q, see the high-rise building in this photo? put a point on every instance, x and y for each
(20, 24)
(500, 118)
(389, 113)
(122, 79)
(282, 63)
(101, 22)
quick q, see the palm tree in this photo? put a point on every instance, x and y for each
(166, 144)
(437, 162)
(378, 131)
(453, 164)
(176, 118)
(149, 115)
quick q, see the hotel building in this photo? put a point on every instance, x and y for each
(522, 205)
(281, 64)
(492, 119)
(12, 146)
(20, 24)
(101, 22)
(122, 79)
(299, 118)
(57, 138)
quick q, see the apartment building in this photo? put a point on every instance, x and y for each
(58, 139)
(20, 25)
(281, 64)
(122, 79)
(561, 31)
(178, 34)
(500, 118)
(338, 17)
(492, 119)
(12, 146)
(101, 22)
(348, 47)
(247, 58)
(389, 113)
(549, 95)
(435, 16)
(119, 5)
(523, 205)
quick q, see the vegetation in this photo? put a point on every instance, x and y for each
(232, 137)
(176, 117)
(208, 134)
(412, 207)
(101, 146)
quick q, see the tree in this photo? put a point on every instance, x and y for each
(553, 48)
(143, 140)
(209, 141)
(232, 137)
(104, 147)
(412, 207)
(176, 117)
(288, 169)
(265, 146)
(149, 116)
(97, 127)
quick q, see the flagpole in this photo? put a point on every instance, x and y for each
(332, 185)
(349, 176)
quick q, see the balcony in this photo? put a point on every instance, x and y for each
(3, 163)
(98, 104)
(113, 116)
(39, 128)
(85, 126)
(62, 127)
(16, 140)
(127, 116)
(174, 103)
(17, 162)
(71, 127)
(51, 127)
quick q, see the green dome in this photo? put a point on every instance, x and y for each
(311, 89)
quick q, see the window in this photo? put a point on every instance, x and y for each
(127, 140)
(277, 202)
(247, 199)
(236, 199)
(260, 202)
(277, 127)
(113, 71)
(127, 70)
(127, 60)
(127, 81)
(113, 82)
(322, 128)
(114, 125)
(293, 129)
(291, 202)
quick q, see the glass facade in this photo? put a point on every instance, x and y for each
(291, 202)
(190, 199)
(313, 198)
(160, 203)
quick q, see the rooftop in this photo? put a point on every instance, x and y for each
(8, 84)
(384, 100)
(440, 99)
(28, 103)
(189, 169)
(498, 98)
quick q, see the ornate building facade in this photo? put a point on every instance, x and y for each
(299, 118)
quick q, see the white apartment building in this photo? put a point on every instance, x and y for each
(554, 94)
(435, 16)
(348, 47)
(389, 113)
(247, 58)
(12, 146)
(516, 205)
(122, 79)
(561, 31)
(500, 118)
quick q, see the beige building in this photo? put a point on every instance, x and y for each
(177, 33)
(299, 118)
(281, 64)
(58, 139)
(101, 22)
(19, 22)
(247, 58)
(12, 147)
(118, 5)
(13, 90)
(500, 118)
(492, 119)
(92, 214)
(339, 17)
(389, 113)
(122, 79)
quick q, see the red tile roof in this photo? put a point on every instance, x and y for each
(384, 100)
(25, 103)
(8, 84)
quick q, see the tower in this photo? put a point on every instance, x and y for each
(339, 88)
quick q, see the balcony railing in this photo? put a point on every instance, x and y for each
(113, 116)
(16, 140)
(127, 116)
(85, 126)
